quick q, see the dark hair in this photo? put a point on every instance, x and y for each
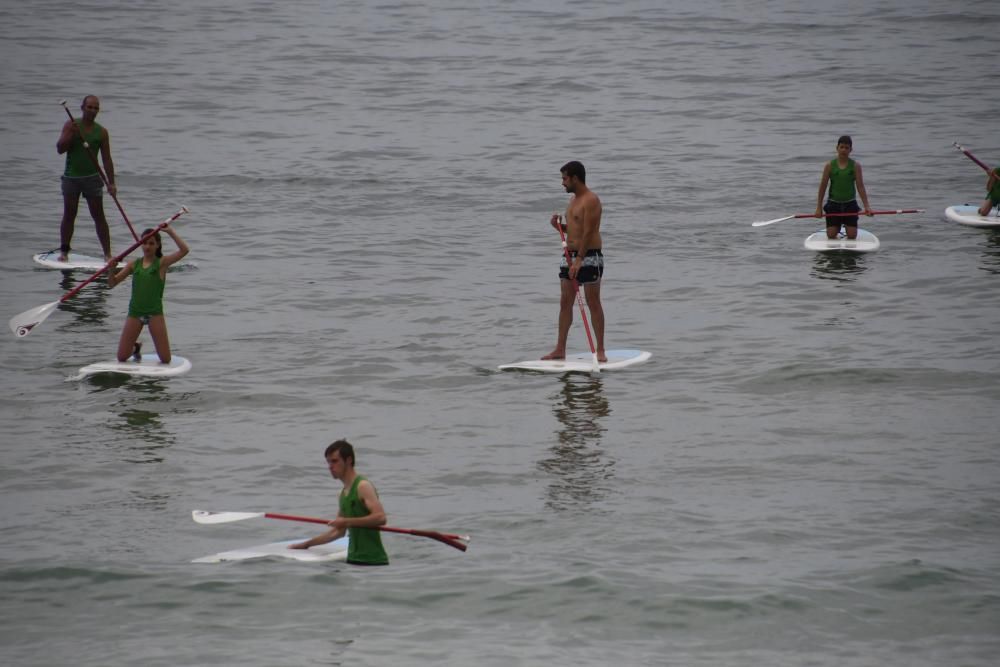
(845, 139)
(343, 448)
(159, 241)
(575, 168)
(83, 104)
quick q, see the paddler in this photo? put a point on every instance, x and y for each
(843, 176)
(360, 511)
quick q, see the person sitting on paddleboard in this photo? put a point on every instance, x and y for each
(992, 192)
(359, 514)
(842, 174)
(149, 276)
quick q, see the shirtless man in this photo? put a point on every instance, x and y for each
(583, 239)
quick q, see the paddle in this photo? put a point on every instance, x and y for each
(100, 172)
(595, 368)
(813, 215)
(969, 155)
(203, 516)
(24, 324)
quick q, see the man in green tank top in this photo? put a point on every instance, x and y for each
(842, 174)
(81, 176)
(360, 512)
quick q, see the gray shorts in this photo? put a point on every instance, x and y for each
(90, 187)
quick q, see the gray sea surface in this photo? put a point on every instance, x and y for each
(807, 471)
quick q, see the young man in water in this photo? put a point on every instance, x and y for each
(360, 511)
(842, 174)
(81, 175)
(583, 240)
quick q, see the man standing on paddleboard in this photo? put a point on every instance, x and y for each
(586, 261)
(842, 174)
(360, 511)
(81, 175)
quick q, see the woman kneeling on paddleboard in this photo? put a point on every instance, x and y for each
(149, 276)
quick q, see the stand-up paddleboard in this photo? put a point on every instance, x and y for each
(866, 242)
(50, 260)
(967, 214)
(581, 362)
(323, 553)
(150, 366)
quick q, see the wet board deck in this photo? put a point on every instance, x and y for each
(581, 362)
(967, 214)
(50, 260)
(150, 366)
(323, 553)
(866, 242)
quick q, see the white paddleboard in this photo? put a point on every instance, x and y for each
(323, 553)
(866, 242)
(581, 362)
(50, 260)
(150, 366)
(967, 214)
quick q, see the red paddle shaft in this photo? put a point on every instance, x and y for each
(576, 290)
(122, 255)
(972, 157)
(860, 213)
(450, 539)
(100, 172)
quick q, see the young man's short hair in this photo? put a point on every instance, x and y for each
(575, 168)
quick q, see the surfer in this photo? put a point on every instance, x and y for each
(145, 308)
(992, 192)
(81, 175)
(583, 240)
(359, 514)
(842, 174)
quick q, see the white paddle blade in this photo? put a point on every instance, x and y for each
(25, 323)
(202, 516)
(761, 223)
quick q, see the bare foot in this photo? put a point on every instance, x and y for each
(63, 257)
(554, 355)
(601, 357)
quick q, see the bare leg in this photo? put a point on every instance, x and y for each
(70, 205)
(832, 231)
(158, 330)
(985, 209)
(593, 294)
(96, 205)
(130, 333)
(567, 295)
(852, 231)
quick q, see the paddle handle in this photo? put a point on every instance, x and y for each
(969, 155)
(122, 255)
(100, 172)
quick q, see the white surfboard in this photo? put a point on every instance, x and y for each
(967, 214)
(581, 362)
(50, 260)
(150, 366)
(866, 242)
(323, 553)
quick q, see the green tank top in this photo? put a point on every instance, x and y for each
(841, 181)
(364, 544)
(77, 162)
(147, 290)
(994, 194)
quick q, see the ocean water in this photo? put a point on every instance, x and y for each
(807, 471)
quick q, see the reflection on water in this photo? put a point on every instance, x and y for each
(839, 266)
(88, 305)
(141, 436)
(581, 472)
(991, 253)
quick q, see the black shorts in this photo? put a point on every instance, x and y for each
(88, 186)
(590, 272)
(842, 207)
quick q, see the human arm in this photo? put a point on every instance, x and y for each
(992, 178)
(115, 277)
(109, 166)
(66, 137)
(859, 181)
(182, 250)
(324, 538)
(824, 181)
